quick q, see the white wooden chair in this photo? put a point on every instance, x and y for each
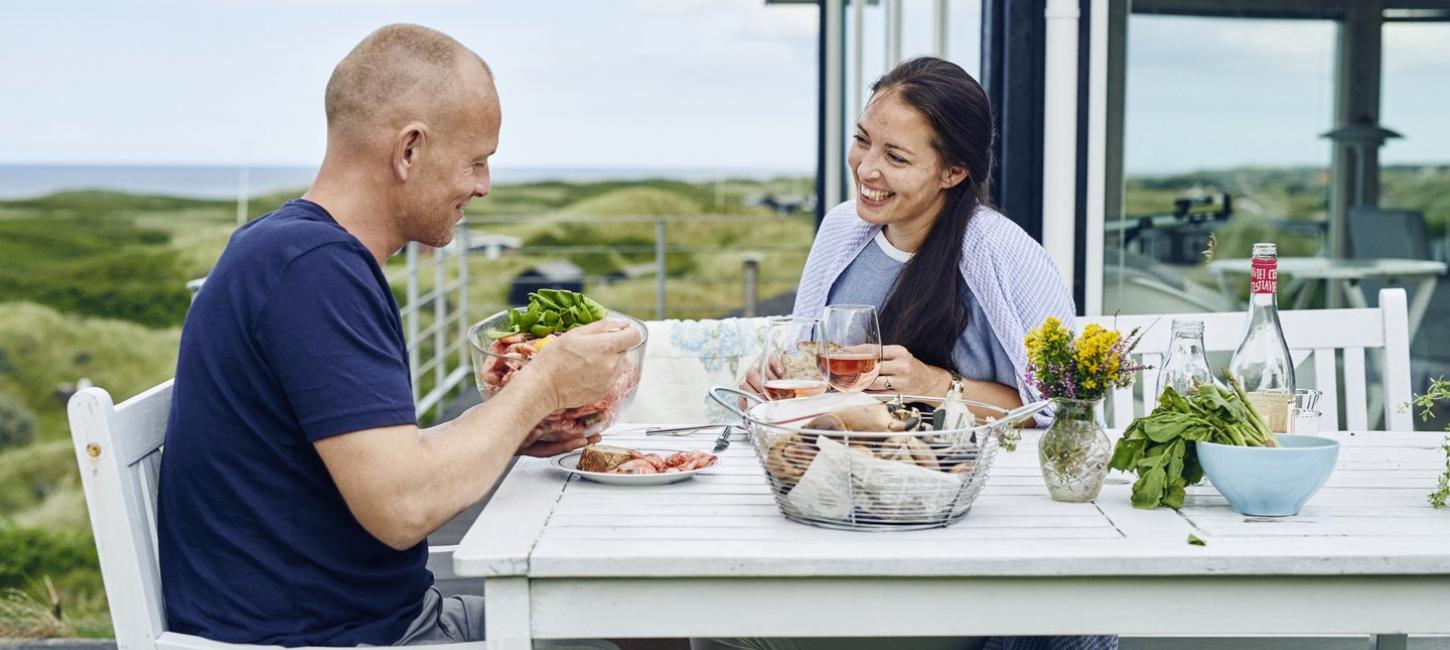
(1319, 335)
(119, 451)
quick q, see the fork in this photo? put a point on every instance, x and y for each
(679, 431)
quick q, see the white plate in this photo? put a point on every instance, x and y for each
(570, 463)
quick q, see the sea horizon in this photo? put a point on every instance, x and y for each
(22, 181)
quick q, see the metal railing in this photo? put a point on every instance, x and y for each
(438, 354)
(749, 278)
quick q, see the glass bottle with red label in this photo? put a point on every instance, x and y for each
(1262, 364)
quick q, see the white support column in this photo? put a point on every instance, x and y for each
(835, 152)
(1059, 136)
(893, 33)
(939, 28)
(1096, 158)
(858, 57)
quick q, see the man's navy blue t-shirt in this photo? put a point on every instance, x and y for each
(293, 338)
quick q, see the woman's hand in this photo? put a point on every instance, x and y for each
(755, 383)
(903, 373)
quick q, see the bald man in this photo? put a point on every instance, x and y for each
(296, 490)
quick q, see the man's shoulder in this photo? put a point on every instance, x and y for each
(294, 228)
(262, 254)
(297, 229)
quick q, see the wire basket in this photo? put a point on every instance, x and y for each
(872, 480)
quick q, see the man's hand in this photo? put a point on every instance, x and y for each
(582, 365)
(545, 449)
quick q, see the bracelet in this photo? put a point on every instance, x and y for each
(957, 384)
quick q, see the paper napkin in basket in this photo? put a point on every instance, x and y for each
(822, 491)
(903, 491)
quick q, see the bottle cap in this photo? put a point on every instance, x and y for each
(1187, 327)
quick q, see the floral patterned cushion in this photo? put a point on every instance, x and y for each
(684, 359)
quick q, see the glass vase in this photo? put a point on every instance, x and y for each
(1074, 451)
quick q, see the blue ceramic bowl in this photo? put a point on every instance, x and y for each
(1269, 481)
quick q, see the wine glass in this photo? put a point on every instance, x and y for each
(850, 346)
(789, 367)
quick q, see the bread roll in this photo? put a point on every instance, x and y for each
(788, 459)
(602, 458)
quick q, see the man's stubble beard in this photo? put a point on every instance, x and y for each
(440, 236)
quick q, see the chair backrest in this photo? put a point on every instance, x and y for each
(119, 451)
(1321, 335)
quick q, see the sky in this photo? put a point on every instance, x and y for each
(1207, 93)
(705, 84)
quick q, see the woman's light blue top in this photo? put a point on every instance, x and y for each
(868, 279)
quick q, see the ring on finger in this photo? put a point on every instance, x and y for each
(888, 383)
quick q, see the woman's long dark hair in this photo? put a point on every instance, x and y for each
(924, 311)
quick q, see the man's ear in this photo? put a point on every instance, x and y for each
(408, 149)
(953, 175)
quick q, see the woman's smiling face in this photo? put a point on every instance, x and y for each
(900, 178)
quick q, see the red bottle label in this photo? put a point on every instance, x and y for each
(1264, 277)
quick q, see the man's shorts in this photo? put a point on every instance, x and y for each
(459, 619)
(452, 619)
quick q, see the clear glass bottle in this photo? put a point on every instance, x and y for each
(1262, 364)
(1186, 364)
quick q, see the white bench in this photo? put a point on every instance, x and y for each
(1328, 337)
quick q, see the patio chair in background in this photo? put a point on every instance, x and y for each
(1321, 338)
(1379, 233)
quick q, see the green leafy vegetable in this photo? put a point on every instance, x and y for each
(551, 311)
(1196, 540)
(1157, 446)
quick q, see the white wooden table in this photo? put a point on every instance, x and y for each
(1347, 272)
(713, 557)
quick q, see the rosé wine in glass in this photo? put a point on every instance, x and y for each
(849, 350)
(788, 367)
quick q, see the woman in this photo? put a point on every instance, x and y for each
(956, 284)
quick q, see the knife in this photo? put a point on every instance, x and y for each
(724, 440)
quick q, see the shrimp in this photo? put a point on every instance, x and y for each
(690, 460)
(653, 459)
(635, 466)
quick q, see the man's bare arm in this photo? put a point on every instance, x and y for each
(402, 483)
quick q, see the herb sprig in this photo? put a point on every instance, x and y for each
(1439, 390)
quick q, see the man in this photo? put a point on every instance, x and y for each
(296, 489)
